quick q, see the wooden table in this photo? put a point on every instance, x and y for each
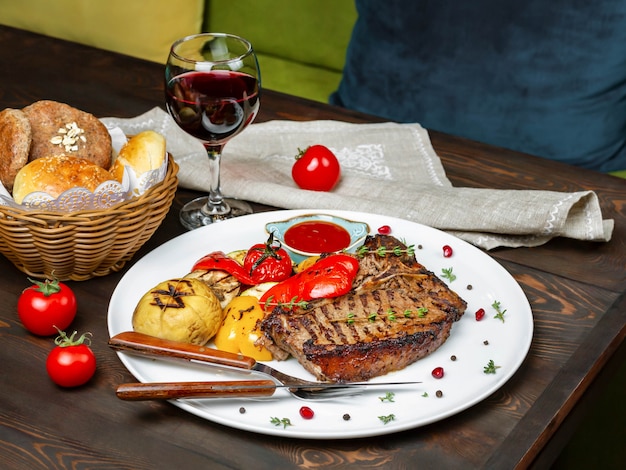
(576, 290)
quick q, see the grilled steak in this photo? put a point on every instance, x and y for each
(396, 313)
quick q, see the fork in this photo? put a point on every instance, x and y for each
(139, 343)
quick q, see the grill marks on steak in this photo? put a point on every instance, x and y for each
(379, 327)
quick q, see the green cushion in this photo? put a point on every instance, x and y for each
(301, 45)
(296, 78)
(133, 27)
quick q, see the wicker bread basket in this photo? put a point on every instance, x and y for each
(81, 245)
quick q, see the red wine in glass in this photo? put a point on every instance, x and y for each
(213, 106)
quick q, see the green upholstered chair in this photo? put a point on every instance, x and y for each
(301, 44)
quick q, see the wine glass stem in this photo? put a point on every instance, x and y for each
(216, 204)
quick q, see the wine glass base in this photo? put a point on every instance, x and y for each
(192, 216)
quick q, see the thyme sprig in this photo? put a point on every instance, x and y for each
(389, 396)
(383, 251)
(293, 303)
(387, 419)
(499, 312)
(390, 315)
(447, 274)
(278, 421)
(491, 367)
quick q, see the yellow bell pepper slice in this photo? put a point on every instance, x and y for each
(239, 330)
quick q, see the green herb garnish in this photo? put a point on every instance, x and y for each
(293, 303)
(383, 251)
(447, 274)
(390, 315)
(387, 419)
(491, 367)
(277, 422)
(500, 313)
(389, 396)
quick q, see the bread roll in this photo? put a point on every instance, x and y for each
(143, 152)
(15, 139)
(55, 174)
(58, 128)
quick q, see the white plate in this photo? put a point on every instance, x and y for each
(463, 385)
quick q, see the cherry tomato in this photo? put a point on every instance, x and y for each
(46, 306)
(267, 262)
(72, 362)
(316, 168)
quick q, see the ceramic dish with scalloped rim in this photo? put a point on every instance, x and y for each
(356, 230)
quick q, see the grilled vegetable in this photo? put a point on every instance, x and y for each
(238, 332)
(179, 310)
(266, 262)
(331, 276)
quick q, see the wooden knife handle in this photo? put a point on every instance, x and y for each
(150, 345)
(171, 390)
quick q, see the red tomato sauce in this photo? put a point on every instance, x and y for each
(317, 237)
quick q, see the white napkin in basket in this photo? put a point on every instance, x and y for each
(389, 169)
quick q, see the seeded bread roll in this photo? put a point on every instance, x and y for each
(55, 174)
(15, 138)
(143, 152)
(60, 129)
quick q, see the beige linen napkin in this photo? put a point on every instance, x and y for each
(390, 169)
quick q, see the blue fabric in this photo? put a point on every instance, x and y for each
(545, 77)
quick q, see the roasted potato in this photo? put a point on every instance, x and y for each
(180, 310)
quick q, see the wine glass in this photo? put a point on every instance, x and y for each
(212, 87)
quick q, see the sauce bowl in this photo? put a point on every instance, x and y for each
(313, 234)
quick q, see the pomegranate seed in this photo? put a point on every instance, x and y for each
(447, 251)
(480, 313)
(306, 412)
(384, 230)
(438, 372)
